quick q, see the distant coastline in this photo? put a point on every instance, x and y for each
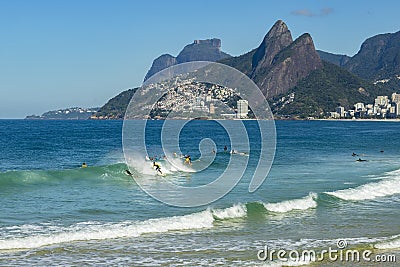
(74, 113)
(248, 119)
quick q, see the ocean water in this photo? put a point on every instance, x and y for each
(55, 213)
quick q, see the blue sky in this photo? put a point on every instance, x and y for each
(65, 53)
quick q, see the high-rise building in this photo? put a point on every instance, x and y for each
(359, 107)
(212, 108)
(382, 100)
(397, 109)
(395, 98)
(340, 111)
(242, 108)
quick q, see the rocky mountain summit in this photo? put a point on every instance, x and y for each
(279, 62)
(199, 50)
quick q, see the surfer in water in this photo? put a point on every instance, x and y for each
(127, 172)
(188, 160)
(361, 160)
(157, 167)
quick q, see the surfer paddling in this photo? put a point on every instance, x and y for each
(127, 172)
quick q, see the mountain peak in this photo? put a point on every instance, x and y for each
(305, 38)
(285, 62)
(279, 27)
(162, 62)
(199, 50)
(277, 38)
(202, 50)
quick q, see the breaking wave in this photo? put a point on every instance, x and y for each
(50, 235)
(391, 244)
(236, 211)
(304, 203)
(390, 185)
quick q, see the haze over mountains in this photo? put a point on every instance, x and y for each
(281, 66)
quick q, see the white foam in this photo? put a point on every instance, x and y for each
(49, 235)
(236, 211)
(178, 164)
(304, 203)
(82, 232)
(139, 163)
(392, 244)
(288, 263)
(387, 187)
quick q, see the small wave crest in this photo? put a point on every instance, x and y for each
(389, 186)
(236, 211)
(392, 244)
(304, 203)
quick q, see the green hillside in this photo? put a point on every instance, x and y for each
(115, 108)
(325, 89)
(242, 63)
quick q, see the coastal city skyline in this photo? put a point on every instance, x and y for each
(383, 107)
(73, 54)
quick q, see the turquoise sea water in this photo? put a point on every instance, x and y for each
(55, 213)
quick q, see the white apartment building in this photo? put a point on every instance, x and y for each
(382, 100)
(242, 109)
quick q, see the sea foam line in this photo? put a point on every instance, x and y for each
(101, 231)
(287, 263)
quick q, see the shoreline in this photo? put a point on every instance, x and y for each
(246, 119)
(368, 120)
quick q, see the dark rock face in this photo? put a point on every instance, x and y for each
(290, 65)
(279, 63)
(378, 58)
(202, 50)
(160, 63)
(199, 50)
(276, 39)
